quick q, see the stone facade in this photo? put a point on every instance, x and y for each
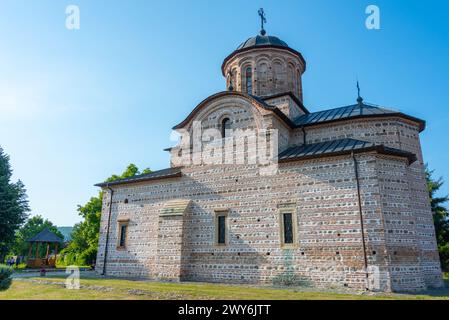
(360, 220)
(273, 71)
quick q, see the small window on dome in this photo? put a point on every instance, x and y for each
(249, 80)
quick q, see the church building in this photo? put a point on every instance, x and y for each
(341, 202)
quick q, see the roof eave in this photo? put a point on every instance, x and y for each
(421, 123)
(122, 182)
(411, 158)
(291, 95)
(283, 117)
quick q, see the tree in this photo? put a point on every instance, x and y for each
(82, 250)
(31, 228)
(130, 171)
(440, 217)
(5, 277)
(13, 206)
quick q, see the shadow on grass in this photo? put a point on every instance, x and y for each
(438, 292)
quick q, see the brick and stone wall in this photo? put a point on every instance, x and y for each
(273, 71)
(322, 194)
(404, 135)
(287, 105)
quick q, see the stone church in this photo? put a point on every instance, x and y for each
(346, 204)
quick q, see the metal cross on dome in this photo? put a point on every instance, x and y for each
(359, 98)
(263, 20)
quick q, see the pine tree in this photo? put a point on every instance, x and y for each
(13, 206)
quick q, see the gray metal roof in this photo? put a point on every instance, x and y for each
(45, 236)
(155, 175)
(338, 147)
(348, 112)
(260, 40)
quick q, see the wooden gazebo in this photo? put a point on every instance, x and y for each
(45, 237)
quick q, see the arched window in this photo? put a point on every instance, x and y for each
(225, 125)
(279, 76)
(298, 83)
(262, 78)
(249, 80)
(231, 79)
(291, 75)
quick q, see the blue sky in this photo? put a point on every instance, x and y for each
(77, 106)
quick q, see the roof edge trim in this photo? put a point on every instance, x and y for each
(140, 178)
(420, 122)
(294, 98)
(381, 149)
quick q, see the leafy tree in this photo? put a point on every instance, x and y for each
(130, 171)
(13, 205)
(82, 250)
(31, 228)
(440, 217)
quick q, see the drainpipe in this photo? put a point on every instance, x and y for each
(359, 197)
(107, 232)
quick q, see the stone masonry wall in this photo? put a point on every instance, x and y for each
(404, 135)
(287, 106)
(273, 70)
(322, 194)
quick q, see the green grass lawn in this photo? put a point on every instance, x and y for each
(50, 288)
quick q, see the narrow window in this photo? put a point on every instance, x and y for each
(288, 227)
(220, 232)
(123, 232)
(249, 80)
(225, 126)
(298, 81)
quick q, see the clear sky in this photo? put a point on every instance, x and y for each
(79, 105)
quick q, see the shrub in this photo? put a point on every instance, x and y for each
(69, 258)
(5, 277)
(444, 256)
(20, 266)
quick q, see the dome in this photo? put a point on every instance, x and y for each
(261, 40)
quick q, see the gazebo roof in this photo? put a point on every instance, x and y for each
(45, 236)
